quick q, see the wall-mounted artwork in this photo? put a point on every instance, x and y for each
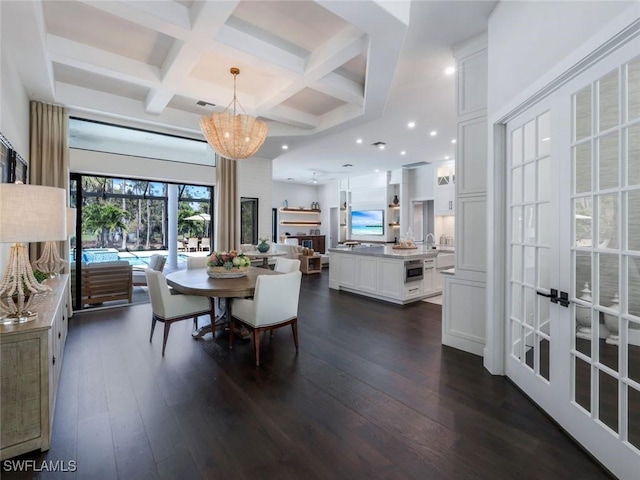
(5, 158)
(18, 168)
(13, 168)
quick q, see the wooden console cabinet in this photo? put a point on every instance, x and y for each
(30, 364)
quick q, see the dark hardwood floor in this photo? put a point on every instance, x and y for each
(372, 394)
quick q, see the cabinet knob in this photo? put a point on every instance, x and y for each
(59, 334)
(53, 362)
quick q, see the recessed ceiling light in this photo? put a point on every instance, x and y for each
(380, 145)
(403, 152)
(453, 141)
(411, 124)
(376, 170)
(446, 157)
(285, 147)
(433, 133)
(449, 70)
(359, 140)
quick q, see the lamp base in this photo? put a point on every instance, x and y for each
(18, 317)
(50, 261)
(18, 278)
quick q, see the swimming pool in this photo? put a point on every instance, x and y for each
(141, 258)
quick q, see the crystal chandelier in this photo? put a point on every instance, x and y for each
(234, 135)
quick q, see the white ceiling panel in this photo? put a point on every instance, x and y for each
(86, 79)
(313, 102)
(87, 25)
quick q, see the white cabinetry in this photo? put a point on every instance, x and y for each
(376, 277)
(428, 282)
(391, 281)
(367, 280)
(445, 190)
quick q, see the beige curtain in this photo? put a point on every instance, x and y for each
(49, 156)
(227, 205)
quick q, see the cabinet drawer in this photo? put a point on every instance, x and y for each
(413, 289)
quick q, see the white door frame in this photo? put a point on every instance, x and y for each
(616, 34)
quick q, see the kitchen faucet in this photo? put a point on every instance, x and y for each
(433, 239)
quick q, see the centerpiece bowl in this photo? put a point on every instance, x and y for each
(229, 264)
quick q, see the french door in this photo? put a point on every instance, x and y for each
(573, 260)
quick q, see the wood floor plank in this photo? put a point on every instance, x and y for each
(372, 394)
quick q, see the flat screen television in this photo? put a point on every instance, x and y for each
(367, 222)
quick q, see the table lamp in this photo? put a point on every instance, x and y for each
(28, 213)
(50, 261)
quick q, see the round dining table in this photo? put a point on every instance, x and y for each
(197, 282)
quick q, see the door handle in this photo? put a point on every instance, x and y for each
(562, 299)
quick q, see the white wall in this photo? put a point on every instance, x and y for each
(297, 195)
(421, 183)
(527, 39)
(14, 112)
(254, 181)
(112, 164)
(14, 107)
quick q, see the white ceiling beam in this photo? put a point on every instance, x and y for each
(338, 50)
(157, 100)
(207, 19)
(24, 37)
(259, 48)
(340, 87)
(292, 117)
(94, 60)
(335, 52)
(116, 106)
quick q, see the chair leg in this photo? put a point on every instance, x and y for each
(294, 327)
(153, 326)
(232, 324)
(167, 326)
(256, 345)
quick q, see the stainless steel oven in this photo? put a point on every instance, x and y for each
(413, 271)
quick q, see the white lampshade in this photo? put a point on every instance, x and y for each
(71, 221)
(32, 213)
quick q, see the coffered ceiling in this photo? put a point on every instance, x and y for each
(321, 73)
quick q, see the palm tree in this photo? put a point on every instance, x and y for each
(103, 219)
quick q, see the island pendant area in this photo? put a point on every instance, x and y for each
(384, 273)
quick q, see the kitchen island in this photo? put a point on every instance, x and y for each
(394, 275)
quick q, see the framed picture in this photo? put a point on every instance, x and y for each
(5, 159)
(17, 168)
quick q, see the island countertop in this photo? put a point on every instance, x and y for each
(388, 251)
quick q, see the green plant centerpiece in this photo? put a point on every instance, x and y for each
(229, 264)
(263, 246)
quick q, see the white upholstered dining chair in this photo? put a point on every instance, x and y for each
(286, 265)
(274, 305)
(169, 308)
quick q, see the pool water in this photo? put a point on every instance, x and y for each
(92, 255)
(144, 260)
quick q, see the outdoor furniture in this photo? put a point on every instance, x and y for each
(192, 245)
(205, 244)
(156, 262)
(181, 246)
(106, 281)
